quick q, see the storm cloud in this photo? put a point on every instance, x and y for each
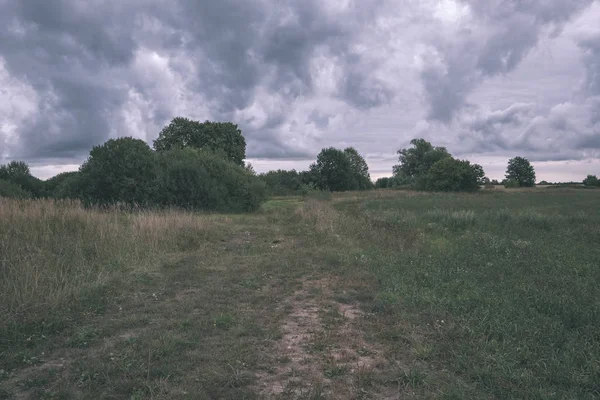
(301, 75)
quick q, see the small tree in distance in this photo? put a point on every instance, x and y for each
(591, 180)
(520, 170)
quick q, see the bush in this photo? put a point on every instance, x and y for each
(18, 173)
(452, 175)
(591, 180)
(283, 183)
(199, 180)
(383, 183)
(119, 171)
(511, 183)
(56, 184)
(11, 190)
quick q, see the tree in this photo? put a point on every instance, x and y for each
(450, 174)
(119, 171)
(219, 137)
(281, 182)
(416, 161)
(383, 183)
(336, 170)
(18, 173)
(55, 184)
(495, 182)
(360, 169)
(333, 171)
(10, 190)
(591, 180)
(200, 180)
(520, 170)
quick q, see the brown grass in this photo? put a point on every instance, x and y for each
(50, 250)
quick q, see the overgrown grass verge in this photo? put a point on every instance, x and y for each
(105, 304)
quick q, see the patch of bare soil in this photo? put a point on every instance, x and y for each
(322, 352)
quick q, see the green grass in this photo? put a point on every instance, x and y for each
(486, 295)
(502, 287)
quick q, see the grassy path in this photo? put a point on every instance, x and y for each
(383, 295)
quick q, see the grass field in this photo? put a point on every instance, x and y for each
(376, 295)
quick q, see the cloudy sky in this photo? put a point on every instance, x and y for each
(488, 79)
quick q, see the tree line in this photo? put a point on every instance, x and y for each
(200, 166)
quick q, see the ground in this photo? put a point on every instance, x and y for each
(378, 295)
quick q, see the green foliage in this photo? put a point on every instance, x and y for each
(55, 186)
(336, 170)
(383, 183)
(18, 173)
(452, 175)
(119, 171)
(416, 161)
(591, 180)
(495, 182)
(510, 183)
(11, 190)
(200, 180)
(282, 183)
(218, 137)
(360, 169)
(426, 167)
(520, 170)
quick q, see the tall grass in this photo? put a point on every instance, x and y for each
(52, 250)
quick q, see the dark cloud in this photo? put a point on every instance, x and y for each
(500, 34)
(294, 75)
(79, 57)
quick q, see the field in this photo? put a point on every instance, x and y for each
(375, 295)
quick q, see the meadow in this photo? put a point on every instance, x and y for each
(381, 294)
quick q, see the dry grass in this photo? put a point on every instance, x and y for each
(50, 250)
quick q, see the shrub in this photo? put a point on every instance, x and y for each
(452, 175)
(591, 180)
(511, 183)
(119, 171)
(18, 173)
(200, 180)
(383, 183)
(11, 190)
(282, 183)
(56, 184)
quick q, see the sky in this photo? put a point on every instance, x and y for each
(487, 79)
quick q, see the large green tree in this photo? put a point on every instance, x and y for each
(415, 161)
(519, 169)
(360, 169)
(119, 171)
(339, 170)
(224, 138)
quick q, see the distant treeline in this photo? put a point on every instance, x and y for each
(200, 166)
